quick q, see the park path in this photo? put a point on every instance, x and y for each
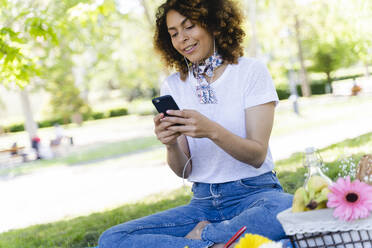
(62, 192)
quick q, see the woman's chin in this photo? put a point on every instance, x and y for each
(194, 60)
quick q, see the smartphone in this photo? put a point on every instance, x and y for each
(164, 103)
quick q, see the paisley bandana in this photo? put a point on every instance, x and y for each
(204, 90)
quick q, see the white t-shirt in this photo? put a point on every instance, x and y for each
(241, 86)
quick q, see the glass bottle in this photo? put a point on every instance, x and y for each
(313, 162)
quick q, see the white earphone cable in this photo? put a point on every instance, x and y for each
(184, 170)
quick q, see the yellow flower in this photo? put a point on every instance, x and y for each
(252, 241)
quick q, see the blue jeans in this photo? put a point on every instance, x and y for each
(253, 202)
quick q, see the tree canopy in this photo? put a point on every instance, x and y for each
(73, 47)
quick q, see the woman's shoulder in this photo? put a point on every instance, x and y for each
(171, 82)
(173, 78)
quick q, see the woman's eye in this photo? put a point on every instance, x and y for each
(190, 27)
(173, 35)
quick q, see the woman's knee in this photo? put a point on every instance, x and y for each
(285, 201)
(111, 237)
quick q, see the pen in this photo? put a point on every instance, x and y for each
(235, 237)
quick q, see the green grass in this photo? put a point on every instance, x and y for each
(89, 156)
(291, 171)
(84, 231)
(319, 111)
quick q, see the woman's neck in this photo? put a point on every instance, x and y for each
(217, 73)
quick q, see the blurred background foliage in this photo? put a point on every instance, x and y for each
(80, 51)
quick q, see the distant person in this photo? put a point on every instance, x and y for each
(35, 144)
(59, 132)
(221, 144)
(355, 89)
(59, 135)
(15, 150)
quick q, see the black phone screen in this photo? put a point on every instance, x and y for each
(164, 103)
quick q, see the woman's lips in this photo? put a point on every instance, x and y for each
(190, 49)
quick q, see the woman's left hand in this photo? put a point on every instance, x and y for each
(192, 123)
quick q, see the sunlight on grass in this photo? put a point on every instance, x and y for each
(319, 111)
(89, 156)
(84, 231)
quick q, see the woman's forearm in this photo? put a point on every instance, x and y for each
(177, 160)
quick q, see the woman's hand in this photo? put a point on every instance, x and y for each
(192, 123)
(162, 131)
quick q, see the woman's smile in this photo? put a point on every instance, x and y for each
(190, 49)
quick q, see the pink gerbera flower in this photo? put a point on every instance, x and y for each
(351, 200)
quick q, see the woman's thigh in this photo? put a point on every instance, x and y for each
(258, 215)
(176, 222)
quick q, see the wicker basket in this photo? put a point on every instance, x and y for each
(355, 239)
(319, 229)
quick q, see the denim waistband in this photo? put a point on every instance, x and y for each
(247, 185)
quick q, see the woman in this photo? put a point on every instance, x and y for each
(221, 142)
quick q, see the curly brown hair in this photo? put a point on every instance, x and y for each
(222, 18)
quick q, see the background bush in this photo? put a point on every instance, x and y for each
(318, 87)
(118, 112)
(98, 115)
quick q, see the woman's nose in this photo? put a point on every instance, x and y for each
(183, 37)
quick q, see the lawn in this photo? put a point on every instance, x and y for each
(84, 231)
(319, 111)
(315, 112)
(88, 156)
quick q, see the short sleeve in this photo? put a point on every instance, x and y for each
(164, 89)
(260, 87)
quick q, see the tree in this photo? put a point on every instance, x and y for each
(22, 28)
(331, 56)
(82, 30)
(361, 30)
(285, 16)
(333, 41)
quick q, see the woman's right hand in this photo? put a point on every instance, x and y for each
(165, 136)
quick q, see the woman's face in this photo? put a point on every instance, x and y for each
(189, 39)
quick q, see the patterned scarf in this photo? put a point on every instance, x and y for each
(204, 90)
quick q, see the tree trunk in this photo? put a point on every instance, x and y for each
(328, 88)
(147, 13)
(30, 124)
(305, 87)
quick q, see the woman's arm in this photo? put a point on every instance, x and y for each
(251, 150)
(177, 156)
(176, 144)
